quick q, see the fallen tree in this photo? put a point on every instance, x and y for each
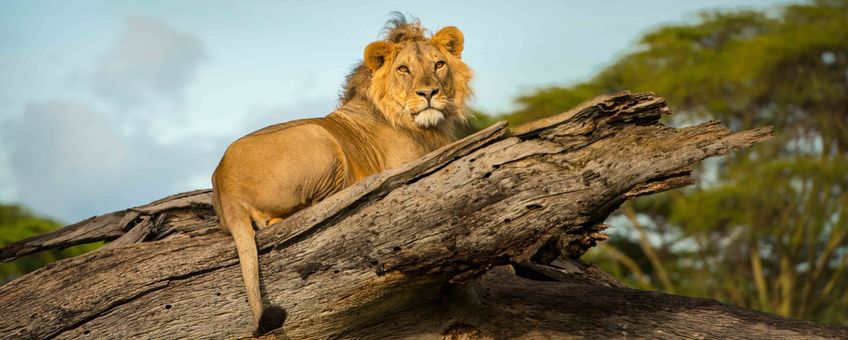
(477, 239)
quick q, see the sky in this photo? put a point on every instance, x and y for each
(106, 105)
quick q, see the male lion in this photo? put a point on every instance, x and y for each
(404, 100)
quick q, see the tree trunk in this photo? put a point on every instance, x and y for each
(476, 239)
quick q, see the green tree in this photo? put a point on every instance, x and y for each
(767, 228)
(16, 224)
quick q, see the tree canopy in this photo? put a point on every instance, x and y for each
(17, 223)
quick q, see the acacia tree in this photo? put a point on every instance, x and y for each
(766, 228)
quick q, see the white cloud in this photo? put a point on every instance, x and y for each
(70, 161)
(150, 66)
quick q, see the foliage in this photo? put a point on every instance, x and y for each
(771, 231)
(17, 224)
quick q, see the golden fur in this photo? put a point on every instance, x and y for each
(404, 100)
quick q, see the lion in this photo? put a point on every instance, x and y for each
(406, 98)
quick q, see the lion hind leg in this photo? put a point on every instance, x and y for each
(274, 221)
(264, 220)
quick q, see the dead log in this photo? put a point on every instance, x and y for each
(161, 219)
(474, 239)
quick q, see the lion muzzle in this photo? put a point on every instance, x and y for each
(428, 118)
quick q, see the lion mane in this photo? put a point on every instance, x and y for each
(364, 84)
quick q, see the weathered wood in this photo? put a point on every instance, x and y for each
(503, 305)
(405, 242)
(176, 214)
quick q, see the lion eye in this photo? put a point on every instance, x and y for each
(440, 64)
(403, 69)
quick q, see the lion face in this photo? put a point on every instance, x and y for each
(420, 83)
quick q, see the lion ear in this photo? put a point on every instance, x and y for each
(451, 39)
(376, 54)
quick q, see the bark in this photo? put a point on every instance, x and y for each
(476, 239)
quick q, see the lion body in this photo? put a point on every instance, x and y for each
(283, 168)
(402, 102)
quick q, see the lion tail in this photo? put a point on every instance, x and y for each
(237, 221)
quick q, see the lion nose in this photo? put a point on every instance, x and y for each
(428, 93)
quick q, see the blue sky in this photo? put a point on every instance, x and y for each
(106, 104)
